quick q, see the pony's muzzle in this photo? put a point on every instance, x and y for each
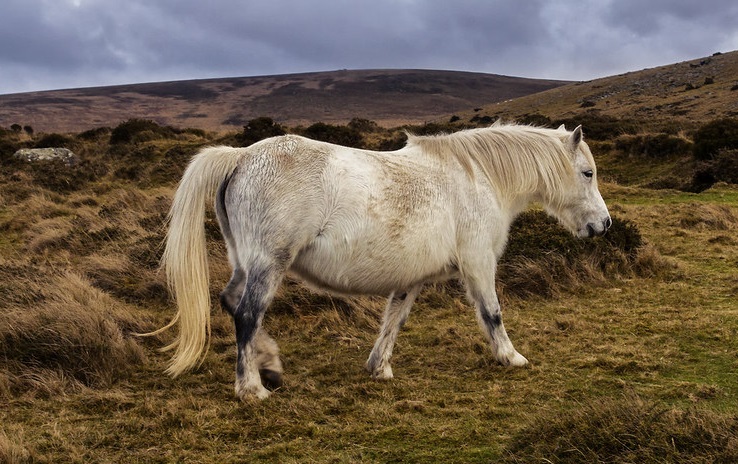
(593, 231)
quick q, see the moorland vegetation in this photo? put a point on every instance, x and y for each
(631, 336)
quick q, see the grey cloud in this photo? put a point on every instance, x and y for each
(69, 43)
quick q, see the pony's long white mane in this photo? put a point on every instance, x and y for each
(513, 158)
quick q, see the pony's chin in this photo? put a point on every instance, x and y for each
(589, 231)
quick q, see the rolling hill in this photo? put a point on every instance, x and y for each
(692, 91)
(389, 97)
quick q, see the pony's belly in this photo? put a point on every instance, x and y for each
(367, 272)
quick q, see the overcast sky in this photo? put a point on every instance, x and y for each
(53, 44)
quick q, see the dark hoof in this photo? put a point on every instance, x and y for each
(270, 379)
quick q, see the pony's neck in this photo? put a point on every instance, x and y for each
(516, 204)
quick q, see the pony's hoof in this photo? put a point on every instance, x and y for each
(383, 373)
(517, 360)
(270, 379)
(250, 393)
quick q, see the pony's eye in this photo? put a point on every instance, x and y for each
(588, 174)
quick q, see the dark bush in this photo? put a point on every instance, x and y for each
(126, 132)
(94, 134)
(363, 125)
(652, 145)
(535, 119)
(542, 257)
(9, 144)
(534, 233)
(599, 127)
(431, 128)
(398, 141)
(482, 120)
(717, 134)
(340, 135)
(259, 129)
(55, 141)
(723, 167)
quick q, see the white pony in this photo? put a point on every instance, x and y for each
(353, 221)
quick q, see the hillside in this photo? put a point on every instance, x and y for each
(389, 97)
(692, 91)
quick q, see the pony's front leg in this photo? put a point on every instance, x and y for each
(489, 317)
(258, 294)
(395, 315)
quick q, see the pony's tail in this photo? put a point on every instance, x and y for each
(185, 257)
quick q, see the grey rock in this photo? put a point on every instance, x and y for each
(33, 155)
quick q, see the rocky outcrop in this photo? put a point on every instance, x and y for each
(47, 154)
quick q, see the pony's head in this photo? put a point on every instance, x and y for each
(578, 205)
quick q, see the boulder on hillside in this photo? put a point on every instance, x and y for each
(47, 154)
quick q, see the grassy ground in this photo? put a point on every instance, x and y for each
(637, 367)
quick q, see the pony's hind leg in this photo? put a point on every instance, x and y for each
(395, 315)
(231, 294)
(267, 358)
(267, 351)
(261, 285)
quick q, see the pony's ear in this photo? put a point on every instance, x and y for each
(575, 138)
(562, 128)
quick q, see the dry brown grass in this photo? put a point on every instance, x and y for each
(627, 429)
(646, 332)
(73, 335)
(13, 450)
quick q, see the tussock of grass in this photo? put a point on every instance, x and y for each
(75, 335)
(13, 450)
(707, 217)
(625, 430)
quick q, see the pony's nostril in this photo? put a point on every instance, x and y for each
(608, 223)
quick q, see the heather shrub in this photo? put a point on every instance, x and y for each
(542, 258)
(126, 132)
(714, 136)
(340, 135)
(259, 129)
(652, 145)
